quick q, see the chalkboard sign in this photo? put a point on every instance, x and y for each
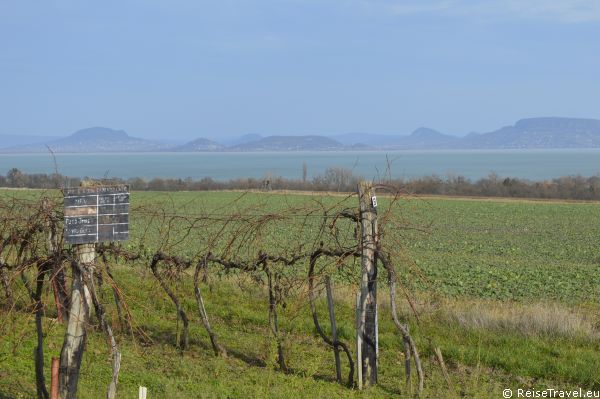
(96, 214)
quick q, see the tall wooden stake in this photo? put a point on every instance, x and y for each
(54, 379)
(79, 315)
(368, 289)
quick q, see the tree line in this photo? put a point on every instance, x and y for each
(342, 180)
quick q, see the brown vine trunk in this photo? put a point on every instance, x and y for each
(117, 299)
(336, 350)
(274, 322)
(313, 309)
(40, 382)
(6, 285)
(114, 349)
(217, 348)
(57, 278)
(406, 346)
(403, 328)
(184, 341)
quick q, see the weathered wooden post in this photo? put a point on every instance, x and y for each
(54, 379)
(367, 323)
(92, 214)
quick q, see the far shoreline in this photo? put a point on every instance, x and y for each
(287, 152)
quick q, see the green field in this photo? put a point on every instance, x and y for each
(509, 290)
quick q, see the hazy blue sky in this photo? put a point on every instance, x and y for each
(207, 68)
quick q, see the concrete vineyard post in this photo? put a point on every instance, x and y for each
(336, 350)
(81, 302)
(358, 343)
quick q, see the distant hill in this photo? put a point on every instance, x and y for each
(424, 137)
(14, 140)
(549, 132)
(201, 144)
(421, 138)
(370, 139)
(290, 143)
(229, 141)
(95, 139)
(246, 138)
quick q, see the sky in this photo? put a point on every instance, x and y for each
(181, 69)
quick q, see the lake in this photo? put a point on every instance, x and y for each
(473, 164)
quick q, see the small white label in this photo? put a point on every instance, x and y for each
(374, 201)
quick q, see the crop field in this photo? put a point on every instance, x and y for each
(505, 250)
(509, 290)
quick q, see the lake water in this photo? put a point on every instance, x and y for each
(529, 164)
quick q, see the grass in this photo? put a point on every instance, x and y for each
(508, 290)
(538, 319)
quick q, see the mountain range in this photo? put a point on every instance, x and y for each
(548, 132)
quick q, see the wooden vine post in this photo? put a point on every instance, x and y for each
(92, 214)
(54, 379)
(367, 314)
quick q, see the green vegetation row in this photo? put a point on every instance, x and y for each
(507, 250)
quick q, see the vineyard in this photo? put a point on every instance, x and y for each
(222, 294)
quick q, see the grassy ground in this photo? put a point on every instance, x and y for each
(508, 290)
